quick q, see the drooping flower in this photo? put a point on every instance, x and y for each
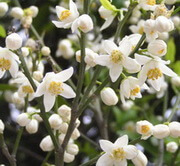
(117, 153)
(53, 85)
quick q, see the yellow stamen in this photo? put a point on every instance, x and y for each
(5, 64)
(145, 129)
(160, 51)
(151, 2)
(135, 91)
(118, 154)
(116, 56)
(141, 30)
(154, 74)
(27, 89)
(55, 88)
(65, 14)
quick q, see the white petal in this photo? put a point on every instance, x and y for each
(14, 68)
(75, 25)
(142, 76)
(58, 24)
(131, 151)
(40, 89)
(166, 70)
(120, 163)
(59, 10)
(107, 23)
(122, 141)
(104, 160)
(73, 8)
(68, 92)
(125, 88)
(125, 47)
(2, 73)
(102, 60)
(106, 145)
(65, 74)
(131, 65)
(49, 101)
(142, 59)
(109, 46)
(115, 72)
(156, 84)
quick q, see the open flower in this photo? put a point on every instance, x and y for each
(66, 16)
(8, 61)
(117, 153)
(148, 4)
(53, 85)
(117, 58)
(139, 28)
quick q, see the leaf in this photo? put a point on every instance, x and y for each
(4, 87)
(106, 4)
(176, 67)
(171, 50)
(2, 31)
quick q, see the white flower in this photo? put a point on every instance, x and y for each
(72, 149)
(161, 131)
(3, 8)
(144, 128)
(127, 105)
(32, 126)
(1, 126)
(65, 112)
(17, 100)
(157, 47)
(17, 12)
(140, 160)
(163, 24)
(66, 16)
(13, 41)
(68, 158)
(163, 36)
(170, 2)
(53, 85)
(23, 119)
(55, 121)
(34, 10)
(63, 127)
(31, 44)
(139, 28)
(84, 23)
(37, 75)
(174, 128)
(172, 147)
(176, 21)
(117, 58)
(108, 96)
(130, 88)
(117, 153)
(76, 134)
(153, 70)
(34, 113)
(47, 144)
(25, 51)
(45, 51)
(148, 4)
(8, 61)
(107, 15)
(175, 81)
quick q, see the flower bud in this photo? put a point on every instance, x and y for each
(3, 8)
(25, 51)
(163, 36)
(127, 105)
(32, 127)
(105, 13)
(174, 128)
(31, 44)
(157, 47)
(170, 2)
(26, 21)
(163, 24)
(1, 126)
(64, 111)
(72, 149)
(55, 121)
(144, 128)
(68, 158)
(34, 10)
(45, 51)
(140, 159)
(17, 12)
(63, 127)
(176, 21)
(172, 147)
(161, 131)
(13, 41)
(84, 23)
(17, 100)
(23, 119)
(75, 134)
(37, 75)
(175, 81)
(47, 144)
(108, 96)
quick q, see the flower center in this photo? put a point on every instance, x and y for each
(154, 74)
(145, 129)
(116, 56)
(151, 2)
(27, 89)
(65, 14)
(28, 12)
(160, 51)
(118, 154)
(141, 30)
(5, 64)
(135, 91)
(55, 88)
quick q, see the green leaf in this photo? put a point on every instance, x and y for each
(106, 4)
(176, 67)
(171, 50)
(2, 31)
(4, 87)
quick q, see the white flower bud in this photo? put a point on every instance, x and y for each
(32, 127)
(37, 75)
(55, 121)
(174, 128)
(84, 23)
(23, 119)
(161, 131)
(176, 21)
(140, 159)
(8, 96)
(45, 51)
(78, 122)
(127, 105)
(108, 96)
(144, 128)
(172, 147)
(17, 12)
(16, 99)
(68, 158)
(157, 47)
(3, 8)
(13, 41)
(72, 149)
(105, 13)
(34, 10)
(31, 44)
(170, 2)
(25, 51)
(1, 126)
(163, 36)
(163, 24)
(64, 111)
(47, 144)
(133, 20)
(175, 81)
(63, 127)
(75, 134)
(78, 56)
(26, 21)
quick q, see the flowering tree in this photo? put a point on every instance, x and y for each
(112, 77)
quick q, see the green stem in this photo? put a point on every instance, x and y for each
(46, 158)
(133, 142)
(174, 157)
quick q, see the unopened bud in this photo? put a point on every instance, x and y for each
(140, 159)
(161, 131)
(1, 126)
(45, 51)
(32, 126)
(68, 158)
(17, 12)
(13, 41)
(55, 121)
(23, 119)
(174, 128)
(172, 147)
(47, 144)
(72, 149)
(3, 8)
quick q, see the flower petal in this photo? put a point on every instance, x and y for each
(107, 23)
(142, 59)
(131, 65)
(156, 84)
(115, 72)
(48, 101)
(166, 70)
(75, 25)
(131, 151)
(59, 10)
(106, 145)
(142, 76)
(65, 74)
(120, 163)
(103, 60)
(73, 8)
(122, 141)
(68, 92)
(104, 160)
(14, 68)
(58, 24)
(40, 89)
(109, 46)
